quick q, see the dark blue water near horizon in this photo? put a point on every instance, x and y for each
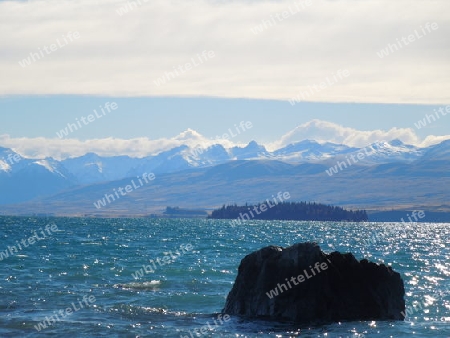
(170, 277)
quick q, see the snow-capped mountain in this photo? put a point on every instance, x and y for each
(169, 161)
(24, 179)
(54, 167)
(206, 157)
(92, 168)
(388, 152)
(310, 150)
(11, 162)
(252, 151)
(31, 178)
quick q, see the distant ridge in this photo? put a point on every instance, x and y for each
(390, 178)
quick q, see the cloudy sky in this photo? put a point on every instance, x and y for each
(361, 69)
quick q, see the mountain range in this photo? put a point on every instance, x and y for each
(39, 185)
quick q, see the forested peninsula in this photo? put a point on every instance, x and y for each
(289, 211)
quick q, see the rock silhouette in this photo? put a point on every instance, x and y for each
(303, 284)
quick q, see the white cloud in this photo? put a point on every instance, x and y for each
(431, 139)
(41, 147)
(324, 131)
(122, 55)
(321, 131)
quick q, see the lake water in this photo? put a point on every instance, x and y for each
(83, 277)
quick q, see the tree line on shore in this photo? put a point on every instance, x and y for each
(289, 211)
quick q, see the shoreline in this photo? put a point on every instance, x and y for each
(157, 216)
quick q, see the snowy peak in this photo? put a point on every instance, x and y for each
(310, 150)
(198, 157)
(38, 177)
(52, 166)
(254, 145)
(393, 151)
(252, 151)
(91, 168)
(11, 161)
(92, 157)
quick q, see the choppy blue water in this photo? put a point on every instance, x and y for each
(97, 258)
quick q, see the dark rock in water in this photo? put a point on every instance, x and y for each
(303, 284)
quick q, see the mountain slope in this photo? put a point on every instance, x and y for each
(92, 168)
(252, 181)
(35, 179)
(309, 150)
(394, 159)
